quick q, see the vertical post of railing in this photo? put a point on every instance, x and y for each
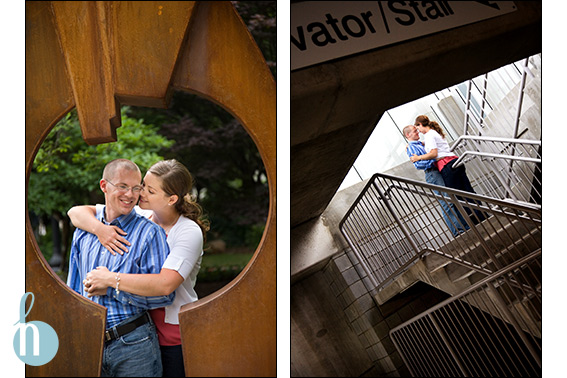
(361, 259)
(485, 84)
(518, 116)
(520, 99)
(447, 344)
(469, 219)
(467, 109)
(394, 215)
(505, 182)
(347, 225)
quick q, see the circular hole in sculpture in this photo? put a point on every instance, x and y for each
(230, 181)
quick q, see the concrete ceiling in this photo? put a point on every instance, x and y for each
(336, 105)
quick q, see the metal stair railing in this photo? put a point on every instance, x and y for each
(485, 93)
(502, 167)
(491, 329)
(395, 221)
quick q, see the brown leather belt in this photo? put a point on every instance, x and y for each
(120, 330)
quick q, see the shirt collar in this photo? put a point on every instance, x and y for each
(122, 221)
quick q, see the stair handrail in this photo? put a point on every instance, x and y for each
(474, 196)
(481, 138)
(363, 230)
(462, 159)
(503, 149)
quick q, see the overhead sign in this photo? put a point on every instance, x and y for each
(326, 30)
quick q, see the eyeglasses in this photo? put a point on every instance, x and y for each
(125, 188)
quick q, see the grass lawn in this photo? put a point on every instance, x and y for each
(215, 267)
(221, 259)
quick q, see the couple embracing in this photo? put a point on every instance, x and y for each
(140, 262)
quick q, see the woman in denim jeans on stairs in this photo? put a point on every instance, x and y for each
(437, 148)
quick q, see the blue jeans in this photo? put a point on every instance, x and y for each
(451, 215)
(135, 354)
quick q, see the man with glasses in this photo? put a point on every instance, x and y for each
(131, 346)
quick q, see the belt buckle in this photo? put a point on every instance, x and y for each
(108, 336)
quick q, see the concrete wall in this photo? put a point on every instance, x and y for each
(322, 341)
(337, 329)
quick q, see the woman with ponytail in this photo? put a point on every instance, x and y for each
(165, 199)
(437, 148)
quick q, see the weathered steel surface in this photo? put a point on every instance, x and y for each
(79, 323)
(99, 55)
(222, 63)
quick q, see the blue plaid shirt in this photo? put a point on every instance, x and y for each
(146, 254)
(415, 147)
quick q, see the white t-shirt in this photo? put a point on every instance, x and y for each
(185, 241)
(432, 140)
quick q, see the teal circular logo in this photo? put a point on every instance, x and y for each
(35, 343)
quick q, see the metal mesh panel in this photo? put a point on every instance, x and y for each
(492, 329)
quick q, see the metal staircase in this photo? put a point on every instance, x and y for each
(399, 229)
(397, 222)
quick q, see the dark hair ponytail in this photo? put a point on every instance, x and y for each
(424, 120)
(188, 207)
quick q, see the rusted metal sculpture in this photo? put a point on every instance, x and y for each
(96, 56)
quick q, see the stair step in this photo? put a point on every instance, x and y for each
(476, 276)
(507, 244)
(457, 272)
(435, 261)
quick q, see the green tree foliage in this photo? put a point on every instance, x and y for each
(67, 171)
(230, 175)
(260, 18)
